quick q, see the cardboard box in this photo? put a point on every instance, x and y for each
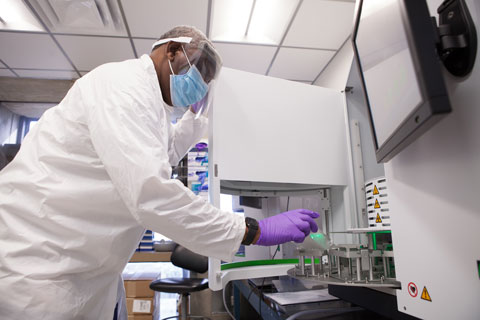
(140, 306)
(138, 289)
(140, 317)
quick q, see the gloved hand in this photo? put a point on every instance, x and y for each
(292, 225)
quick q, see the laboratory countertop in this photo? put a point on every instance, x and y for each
(266, 303)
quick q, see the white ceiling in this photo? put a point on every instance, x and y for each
(313, 35)
(87, 52)
(31, 51)
(246, 57)
(151, 18)
(321, 24)
(299, 64)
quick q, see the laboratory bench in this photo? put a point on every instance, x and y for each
(253, 299)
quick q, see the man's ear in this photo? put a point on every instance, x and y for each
(172, 48)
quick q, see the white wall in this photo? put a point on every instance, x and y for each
(435, 193)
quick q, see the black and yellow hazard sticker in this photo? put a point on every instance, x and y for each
(426, 295)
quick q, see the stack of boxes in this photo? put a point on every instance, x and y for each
(139, 299)
(198, 170)
(146, 244)
(138, 293)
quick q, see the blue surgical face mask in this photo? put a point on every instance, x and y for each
(188, 88)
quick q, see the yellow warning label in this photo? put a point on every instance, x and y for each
(379, 220)
(375, 190)
(377, 205)
(426, 295)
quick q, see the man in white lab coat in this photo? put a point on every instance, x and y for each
(95, 172)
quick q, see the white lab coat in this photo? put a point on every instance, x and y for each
(88, 179)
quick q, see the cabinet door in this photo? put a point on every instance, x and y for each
(273, 130)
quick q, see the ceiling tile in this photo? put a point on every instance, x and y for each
(47, 74)
(90, 52)
(6, 73)
(31, 51)
(321, 24)
(299, 64)
(152, 18)
(251, 58)
(143, 46)
(248, 21)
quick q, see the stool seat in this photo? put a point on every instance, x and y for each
(179, 285)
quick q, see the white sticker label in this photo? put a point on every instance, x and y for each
(142, 306)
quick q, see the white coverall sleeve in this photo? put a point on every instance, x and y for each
(128, 135)
(184, 134)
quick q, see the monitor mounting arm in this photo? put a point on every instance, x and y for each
(455, 37)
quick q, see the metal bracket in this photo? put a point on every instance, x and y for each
(456, 37)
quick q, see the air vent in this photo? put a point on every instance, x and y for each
(81, 17)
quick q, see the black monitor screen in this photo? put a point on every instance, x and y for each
(401, 94)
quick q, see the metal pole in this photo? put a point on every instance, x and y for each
(327, 226)
(350, 268)
(312, 263)
(339, 269)
(321, 265)
(330, 262)
(388, 267)
(301, 265)
(183, 307)
(359, 272)
(370, 269)
(385, 271)
(370, 241)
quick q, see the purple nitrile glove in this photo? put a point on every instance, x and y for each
(292, 225)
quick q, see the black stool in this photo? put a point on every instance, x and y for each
(186, 259)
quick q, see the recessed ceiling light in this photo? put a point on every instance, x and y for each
(251, 21)
(230, 19)
(270, 20)
(14, 15)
